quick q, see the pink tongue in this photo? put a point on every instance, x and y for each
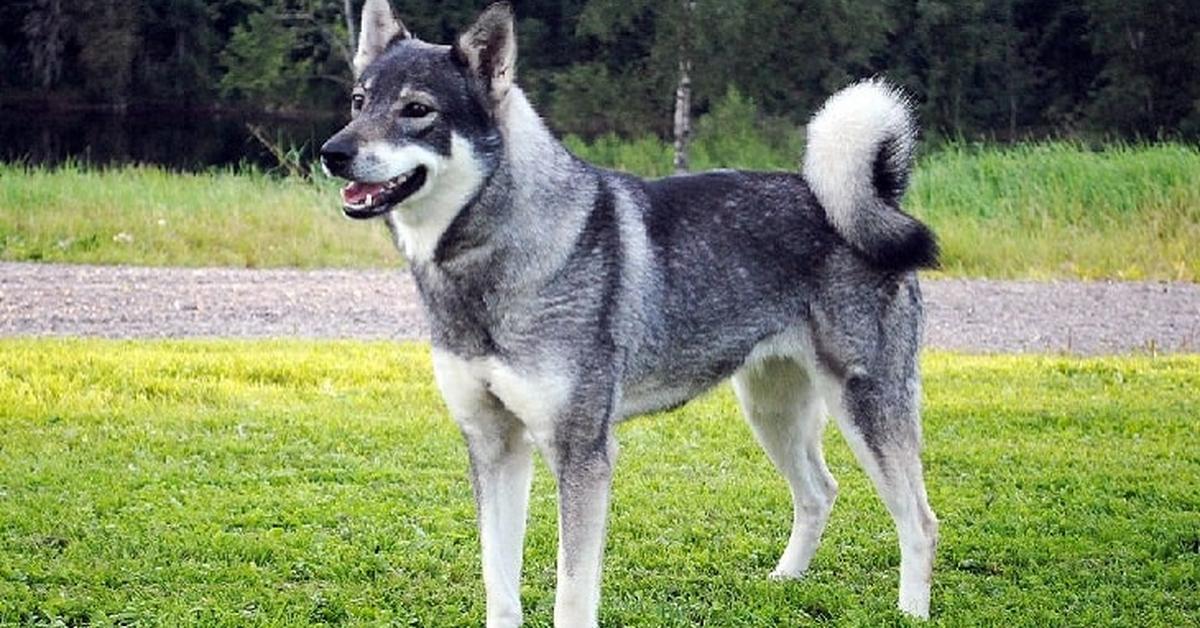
(356, 193)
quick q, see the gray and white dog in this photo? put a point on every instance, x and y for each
(564, 298)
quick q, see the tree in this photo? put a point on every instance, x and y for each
(261, 64)
(45, 32)
(1148, 85)
(662, 37)
(683, 92)
(636, 49)
(789, 55)
(975, 67)
(176, 51)
(109, 39)
(351, 26)
(1061, 67)
(289, 54)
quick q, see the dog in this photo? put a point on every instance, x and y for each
(564, 298)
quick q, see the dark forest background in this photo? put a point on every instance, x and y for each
(1000, 69)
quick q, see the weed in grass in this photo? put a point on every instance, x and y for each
(290, 483)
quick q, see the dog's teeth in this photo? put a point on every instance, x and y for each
(370, 201)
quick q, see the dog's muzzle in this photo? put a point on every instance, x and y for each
(367, 199)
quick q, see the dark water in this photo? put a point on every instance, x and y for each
(178, 140)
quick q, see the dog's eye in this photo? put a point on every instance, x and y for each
(356, 101)
(415, 110)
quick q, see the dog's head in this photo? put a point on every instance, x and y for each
(423, 117)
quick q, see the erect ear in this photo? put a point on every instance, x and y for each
(379, 29)
(489, 49)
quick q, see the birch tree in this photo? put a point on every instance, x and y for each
(683, 91)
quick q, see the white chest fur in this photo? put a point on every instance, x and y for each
(534, 397)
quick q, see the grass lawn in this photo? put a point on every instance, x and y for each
(1045, 210)
(289, 483)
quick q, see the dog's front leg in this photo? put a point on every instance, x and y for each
(500, 451)
(584, 464)
(500, 475)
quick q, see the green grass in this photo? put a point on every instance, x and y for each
(289, 483)
(149, 216)
(1054, 210)
(1047, 210)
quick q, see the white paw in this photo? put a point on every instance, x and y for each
(504, 620)
(783, 575)
(917, 609)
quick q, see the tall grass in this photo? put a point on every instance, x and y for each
(1059, 209)
(1039, 210)
(150, 216)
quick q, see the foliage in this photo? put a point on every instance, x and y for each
(647, 155)
(43, 28)
(297, 483)
(1005, 69)
(1150, 69)
(593, 100)
(260, 64)
(108, 43)
(178, 55)
(287, 54)
(735, 135)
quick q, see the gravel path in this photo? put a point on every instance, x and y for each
(965, 315)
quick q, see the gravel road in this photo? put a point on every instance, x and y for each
(965, 315)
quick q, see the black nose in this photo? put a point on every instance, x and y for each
(337, 154)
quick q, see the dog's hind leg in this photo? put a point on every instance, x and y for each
(877, 412)
(783, 408)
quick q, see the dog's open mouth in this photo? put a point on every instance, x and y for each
(367, 200)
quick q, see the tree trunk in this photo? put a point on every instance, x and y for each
(348, 9)
(683, 91)
(44, 29)
(1010, 64)
(683, 115)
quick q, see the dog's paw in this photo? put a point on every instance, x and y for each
(915, 608)
(782, 575)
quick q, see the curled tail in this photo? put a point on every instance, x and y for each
(858, 160)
